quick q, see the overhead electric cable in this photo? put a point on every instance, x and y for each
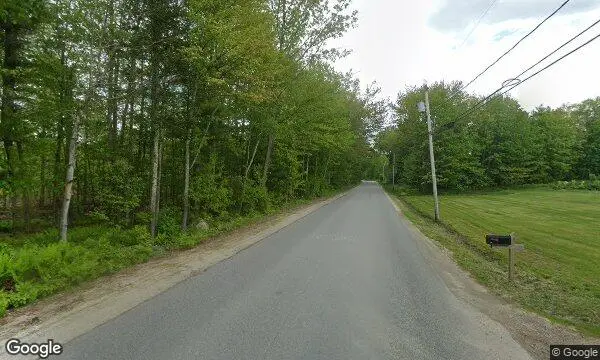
(478, 22)
(516, 82)
(512, 48)
(553, 63)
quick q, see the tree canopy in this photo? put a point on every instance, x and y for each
(201, 108)
(497, 145)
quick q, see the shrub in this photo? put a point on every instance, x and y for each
(113, 257)
(121, 191)
(137, 235)
(97, 216)
(4, 301)
(63, 264)
(186, 241)
(26, 293)
(593, 184)
(6, 226)
(255, 198)
(163, 241)
(210, 191)
(136, 254)
(143, 217)
(7, 274)
(169, 222)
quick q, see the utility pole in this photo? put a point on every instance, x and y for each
(425, 108)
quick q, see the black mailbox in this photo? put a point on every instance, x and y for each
(498, 240)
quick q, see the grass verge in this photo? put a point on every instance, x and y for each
(557, 275)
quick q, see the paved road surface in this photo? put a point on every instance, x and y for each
(345, 282)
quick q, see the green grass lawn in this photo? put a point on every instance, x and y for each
(558, 275)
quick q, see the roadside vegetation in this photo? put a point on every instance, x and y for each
(130, 128)
(498, 145)
(557, 274)
(501, 169)
(34, 266)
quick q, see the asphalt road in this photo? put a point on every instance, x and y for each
(346, 282)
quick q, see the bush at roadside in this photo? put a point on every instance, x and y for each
(39, 265)
(43, 266)
(592, 184)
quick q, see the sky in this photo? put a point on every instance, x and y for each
(401, 43)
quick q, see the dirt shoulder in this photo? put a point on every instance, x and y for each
(535, 333)
(67, 315)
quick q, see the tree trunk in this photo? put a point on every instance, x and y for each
(174, 174)
(251, 159)
(186, 183)
(156, 24)
(128, 113)
(42, 199)
(8, 145)
(113, 78)
(155, 176)
(161, 150)
(247, 171)
(26, 198)
(60, 135)
(64, 219)
(11, 45)
(268, 160)
(85, 181)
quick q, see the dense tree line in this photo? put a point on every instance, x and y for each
(130, 109)
(496, 145)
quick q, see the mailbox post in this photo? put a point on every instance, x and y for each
(506, 241)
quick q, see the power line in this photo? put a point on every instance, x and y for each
(558, 48)
(553, 63)
(478, 22)
(512, 48)
(519, 82)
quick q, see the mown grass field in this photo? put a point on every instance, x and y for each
(558, 275)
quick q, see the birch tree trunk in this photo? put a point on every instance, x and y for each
(64, 217)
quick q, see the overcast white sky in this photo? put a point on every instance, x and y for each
(398, 43)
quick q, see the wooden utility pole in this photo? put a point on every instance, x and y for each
(431, 156)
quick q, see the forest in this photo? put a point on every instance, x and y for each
(497, 145)
(136, 111)
(132, 128)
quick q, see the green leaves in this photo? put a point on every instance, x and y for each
(304, 27)
(246, 84)
(498, 145)
(21, 13)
